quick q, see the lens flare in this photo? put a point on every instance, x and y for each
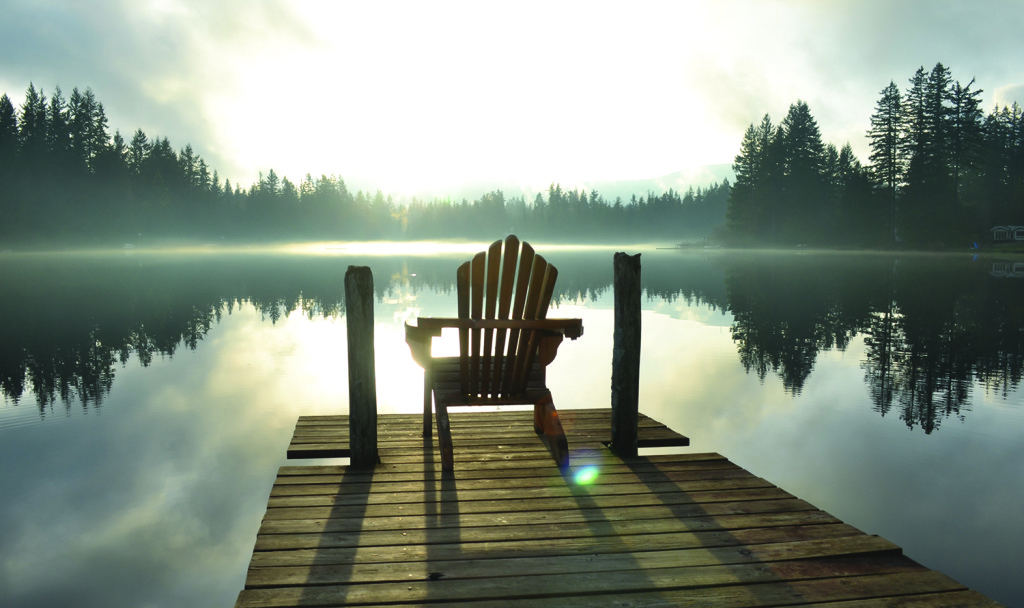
(586, 475)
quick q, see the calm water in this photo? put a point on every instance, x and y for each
(148, 399)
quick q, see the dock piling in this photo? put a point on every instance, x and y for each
(362, 382)
(626, 355)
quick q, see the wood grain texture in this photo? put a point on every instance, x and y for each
(508, 527)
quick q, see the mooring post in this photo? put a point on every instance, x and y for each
(362, 382)
(626, 355)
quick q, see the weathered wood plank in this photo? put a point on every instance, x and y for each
(384, 508)
(557, 514)
(608, 562)
(495, 500)
(649, 437)
(770, 513)
(757, 501)
(952, 599)
(327, 436)
(601, 457)
(538, 471)
(390, 433)
(598, 584)
(507, 526)
(528, 549)
(469, 419)
(897, 591)
(579, 417)
(598, 485)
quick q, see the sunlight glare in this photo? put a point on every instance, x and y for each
(424, 248)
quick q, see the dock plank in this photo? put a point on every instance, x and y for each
(507, 527)
(569, 564)
(327, 436)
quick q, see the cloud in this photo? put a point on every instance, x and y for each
(399, 95)
(152, 64)
(1008, 95)
(839, 55)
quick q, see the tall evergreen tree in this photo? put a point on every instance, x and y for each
(1002, 167)
(927, 211)
(88, 127)
(887, 159)
(138, 148)
(188, 162)
(8, 145)
(32, 133)
(861, 213)
(751, 209)
(965, 141)
(914, 142)
(804, 190)
(939, 126)
(58, 135)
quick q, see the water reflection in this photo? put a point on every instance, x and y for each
(931, 325)
(166, 487)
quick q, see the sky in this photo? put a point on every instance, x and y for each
(425, 96)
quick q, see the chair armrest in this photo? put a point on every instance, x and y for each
(570, 328)
(432, 326)
(419, 338)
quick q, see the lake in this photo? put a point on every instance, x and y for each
(148, 397)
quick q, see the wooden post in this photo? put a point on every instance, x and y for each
(626, 355)
(362, 382)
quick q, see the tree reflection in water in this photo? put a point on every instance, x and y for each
(932, 326)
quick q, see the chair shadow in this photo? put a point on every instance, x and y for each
(434, 522)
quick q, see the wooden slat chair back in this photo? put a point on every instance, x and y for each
(505, 342)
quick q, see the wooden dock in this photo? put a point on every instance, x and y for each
(507, 528)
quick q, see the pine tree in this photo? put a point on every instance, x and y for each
(138, 148)
(188, 165)
(965, 141)
(32, 134)
(58, 136)
(887, 157)
(927, 212)
(804, 209)
(915, 139)
(8, 145)
(88, 127)
(272, 184)
(751, 207)
(861, 212)
(1002, 166)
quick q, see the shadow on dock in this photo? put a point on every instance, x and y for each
(507, 527)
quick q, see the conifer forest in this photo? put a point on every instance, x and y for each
(940, 173)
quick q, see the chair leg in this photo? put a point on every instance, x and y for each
(545, 420)
(428, 391)
(444, 438)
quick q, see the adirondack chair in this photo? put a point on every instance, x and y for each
(505, 343)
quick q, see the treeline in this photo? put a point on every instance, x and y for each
(63, 176)
(941, 173)
(574, 215)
